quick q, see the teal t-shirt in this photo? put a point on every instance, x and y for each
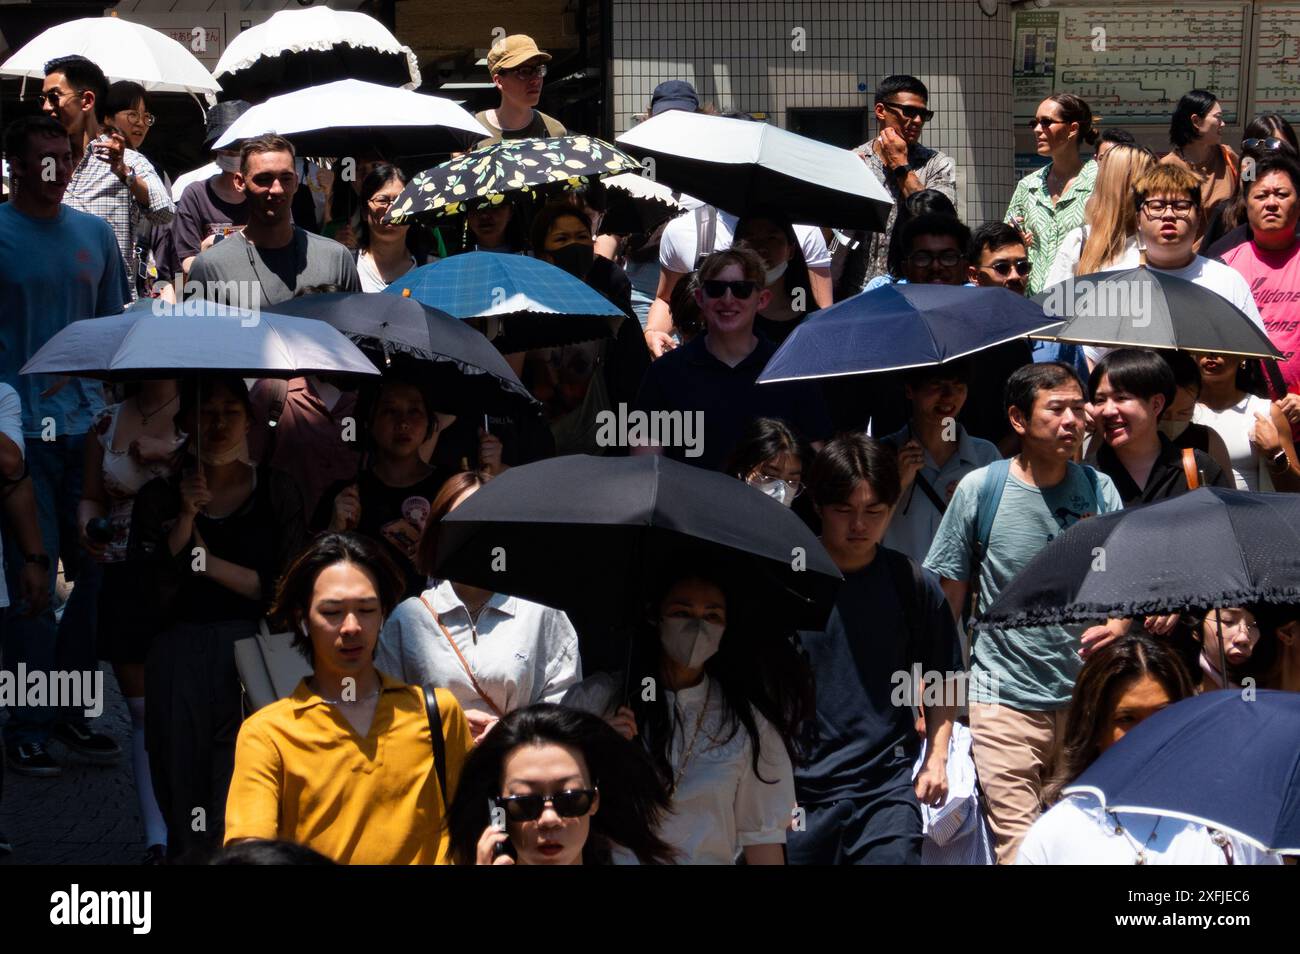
(1030, 668)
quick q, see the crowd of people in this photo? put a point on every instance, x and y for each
(442, 722)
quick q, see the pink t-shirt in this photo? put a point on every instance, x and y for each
(1274, 280)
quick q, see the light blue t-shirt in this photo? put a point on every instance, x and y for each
(1033, 668)
(53, 272)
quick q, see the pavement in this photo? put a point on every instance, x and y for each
(86, 816)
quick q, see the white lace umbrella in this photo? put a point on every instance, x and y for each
(122, 49)
(296, 49)
(340, 118)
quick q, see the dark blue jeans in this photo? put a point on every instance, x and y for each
(882, 829)
(56, 471)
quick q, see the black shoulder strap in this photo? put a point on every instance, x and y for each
(909, 584)
(928, 489)
(439, 743)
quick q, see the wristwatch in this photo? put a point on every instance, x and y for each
(1279, 461)
(900, 172)
(129, 178)
(40, 559)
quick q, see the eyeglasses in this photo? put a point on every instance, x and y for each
(1271, 144)
(759, 479)
(146, 118)
(382, 201)
(52, 96)
(1003, 266)
(526, 72)
(713, 288)
(948, 258)
(911, 112)
(1046, 122)
(1181, 208)
(572, 803)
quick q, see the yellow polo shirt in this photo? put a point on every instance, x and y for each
(302, 774)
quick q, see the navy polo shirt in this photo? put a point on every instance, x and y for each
(691, 379)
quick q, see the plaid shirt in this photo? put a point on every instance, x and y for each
(96, 189)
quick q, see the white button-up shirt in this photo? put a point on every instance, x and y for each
(520, 652)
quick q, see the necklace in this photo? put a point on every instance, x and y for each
(690, 749)
(1140, 856)
(146, 418)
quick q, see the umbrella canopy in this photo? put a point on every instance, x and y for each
(635, 204)
(1147, 308)
(902, 326)
(197, 336)
(347, 116)
(465, 372)
(739, 166)
(532, 303)
(122, 49)
(511, 165)
(295, 49)
(1210, 547)
(1219, 759)
(587, 533)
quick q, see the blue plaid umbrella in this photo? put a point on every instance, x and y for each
(521, 302)
(1226, 761)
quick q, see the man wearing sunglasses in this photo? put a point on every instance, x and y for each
(108, 180)
(897, 158)
(716, 373)
(518, 67)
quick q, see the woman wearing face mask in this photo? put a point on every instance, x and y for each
(390, 497)
(1196, 134)
(495, 653)
(770, 458)
(715, 710)
(772, 236)
(556, 786)
(1176, 420)
(575, 383)
(1119, 686)
(347, 765)
(1254, 429)
(208, 544)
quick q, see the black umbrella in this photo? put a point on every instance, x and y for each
(466, 373)
(1210, 547)
(1148, 308)
(588, 533)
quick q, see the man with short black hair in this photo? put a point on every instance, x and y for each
(272, 259)
(108, 180)
(998, 257)
(999, 518)
(517, 68)
(854, 781)
(57, 265)
(897, 158)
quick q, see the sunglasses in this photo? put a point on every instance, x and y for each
(1271, 144)
(948, 258)
(1004, 266)
(527, 72)
(1045, 121)
(52, 96)
(572, 803)
(911, 112)
(714, 288)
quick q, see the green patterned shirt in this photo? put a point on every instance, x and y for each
(1049, 223)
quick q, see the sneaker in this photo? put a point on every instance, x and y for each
(155, 855)
(30, 758)
(93, 746)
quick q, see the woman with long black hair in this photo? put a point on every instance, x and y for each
(550, 785)
(715, 703)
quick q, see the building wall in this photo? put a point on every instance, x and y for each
(440, 29)
(750, 56)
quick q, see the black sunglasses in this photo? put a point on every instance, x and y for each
(714, 288)
(52, 96)
(1003, 266)
(911, 112)
(948, 258)
(572, 803)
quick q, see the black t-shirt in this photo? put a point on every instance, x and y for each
(776, 331)
(1167, 478)
(690, 379)
(862, 740)
(200, 213)
(394, 515)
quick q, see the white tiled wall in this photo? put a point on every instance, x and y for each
(741, 56)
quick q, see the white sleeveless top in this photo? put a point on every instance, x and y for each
(1235, 425)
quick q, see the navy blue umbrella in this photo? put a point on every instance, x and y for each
(1223, 759)
(903, 326)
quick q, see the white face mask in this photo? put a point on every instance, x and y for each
(774, 274)
(227, 163)
(777, 489)
(690, 642)
(1173, 429)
